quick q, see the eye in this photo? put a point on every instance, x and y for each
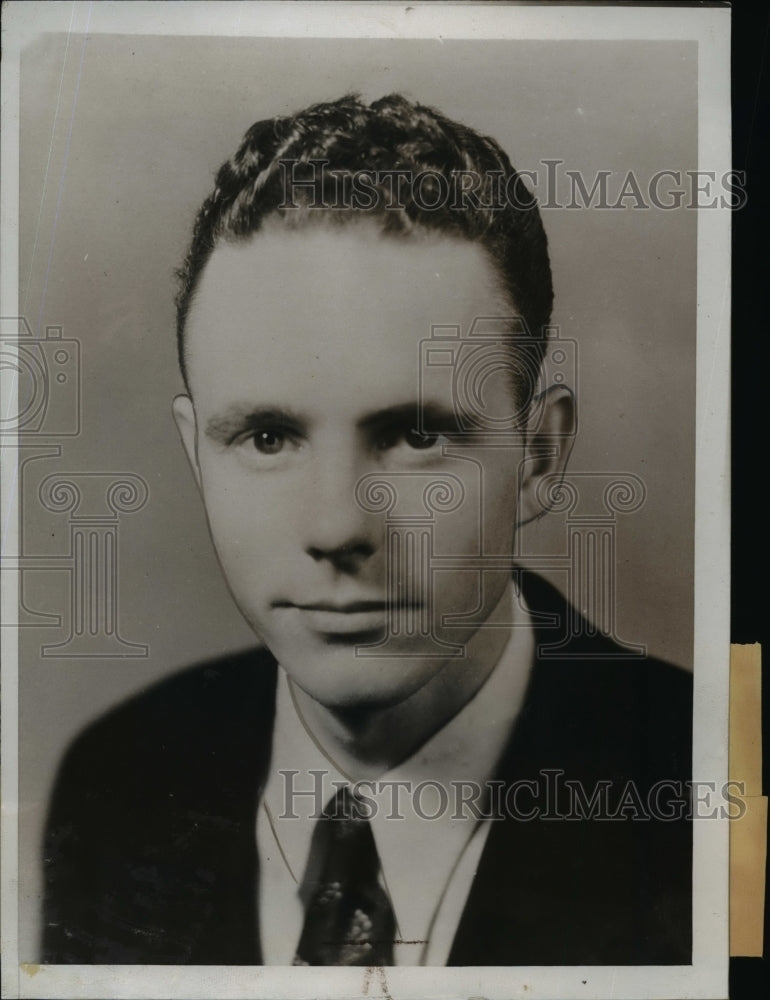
(409, 439)
(270, 444)
(420, 441)
(269, 441)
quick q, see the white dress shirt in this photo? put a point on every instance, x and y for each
(427, 864)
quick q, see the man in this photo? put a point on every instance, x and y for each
(363, 505)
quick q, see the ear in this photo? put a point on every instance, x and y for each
(551, 432)
(184, 415)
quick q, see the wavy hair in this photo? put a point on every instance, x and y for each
(275, 173)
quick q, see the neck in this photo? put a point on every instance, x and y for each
(364, 743)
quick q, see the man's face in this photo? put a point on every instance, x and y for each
(303, 352)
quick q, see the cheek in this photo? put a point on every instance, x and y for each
(485, 521)
(483, 526)
(246, 518)
(500, 503)
(500, 520)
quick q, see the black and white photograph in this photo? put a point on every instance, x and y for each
(366, 507)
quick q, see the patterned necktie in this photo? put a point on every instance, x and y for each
(348, 916)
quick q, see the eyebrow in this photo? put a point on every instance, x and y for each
(224, 427)
(410, 413)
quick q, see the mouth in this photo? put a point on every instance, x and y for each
(352, 619)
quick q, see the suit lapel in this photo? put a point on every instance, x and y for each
(226, 845)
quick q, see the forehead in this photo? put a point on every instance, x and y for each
(325, 311)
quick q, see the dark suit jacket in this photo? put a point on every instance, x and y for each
(150, 853)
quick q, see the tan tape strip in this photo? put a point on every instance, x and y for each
(748, 834)
(746, 717)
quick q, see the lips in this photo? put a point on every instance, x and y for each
(348, 618)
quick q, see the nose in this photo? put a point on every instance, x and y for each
(338, 531)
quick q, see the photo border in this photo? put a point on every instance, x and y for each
(709, 26)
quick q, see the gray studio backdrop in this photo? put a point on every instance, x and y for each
(119, 140)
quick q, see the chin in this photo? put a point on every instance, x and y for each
(346, 682)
